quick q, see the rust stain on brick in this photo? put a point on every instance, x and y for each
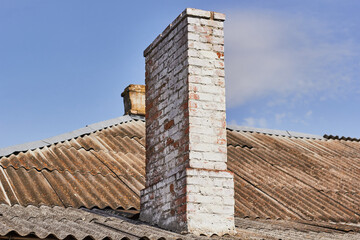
(169, 141)
(169, 124)
(194, 96)
(192, 105)
(220, 54)
(172, 188)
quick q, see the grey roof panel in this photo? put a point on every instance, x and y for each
(21, 147)
(110, 122)
(66, 222)
(97, 224)
(304, 135)
(283, 133)
(69, 135)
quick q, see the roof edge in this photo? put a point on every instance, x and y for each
(69, 135)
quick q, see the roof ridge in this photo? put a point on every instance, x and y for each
(69, 135)
(284, 133)
(336, 137)
(111, 122)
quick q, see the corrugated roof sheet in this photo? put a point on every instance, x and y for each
(70, 223)
(294, 230)
(278, 174)
(66, 136)
(341, 138)
(104, 168)
(278, 177)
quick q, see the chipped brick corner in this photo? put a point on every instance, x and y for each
(188, 188)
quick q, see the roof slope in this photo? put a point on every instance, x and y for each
(71, 223)
(103, 168)
(299, 178)
(278, 174)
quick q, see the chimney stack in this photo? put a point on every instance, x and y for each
(188, 188)
(134, 100)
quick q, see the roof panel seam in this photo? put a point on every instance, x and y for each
(59, 171)
(118, 176)
(52, 187)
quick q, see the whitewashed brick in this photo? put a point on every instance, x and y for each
(197, 13)
(186, 130)
(208, 54)
(218, 48)
(212, 23)
(218, 32)
(219, 16)
(199, 45)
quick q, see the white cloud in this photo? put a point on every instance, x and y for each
(255, 122)
(232, 122)
(279, 117)
(308, 114)
(274, 54)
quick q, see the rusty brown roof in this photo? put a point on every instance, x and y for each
(277, 176)
(101, 169)
(280, 177)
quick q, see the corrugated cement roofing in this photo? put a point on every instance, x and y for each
(102, 167)
(66, 136)
(70, 223)
(278, 174)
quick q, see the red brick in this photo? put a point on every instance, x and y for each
(194, 96)
(168, 124)
(172, 188)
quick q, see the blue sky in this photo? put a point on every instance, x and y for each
(290, 65)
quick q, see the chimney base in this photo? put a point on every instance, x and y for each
(197, 201)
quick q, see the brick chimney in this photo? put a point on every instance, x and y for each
(134, 100)
(188, 188)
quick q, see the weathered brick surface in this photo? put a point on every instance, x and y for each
(187, 186)
(210, 201)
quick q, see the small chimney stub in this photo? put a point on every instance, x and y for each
(134, 100)
(188, 187)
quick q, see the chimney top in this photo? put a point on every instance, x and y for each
(134, 100)
(188, 12)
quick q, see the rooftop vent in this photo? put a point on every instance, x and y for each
(134, 100)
